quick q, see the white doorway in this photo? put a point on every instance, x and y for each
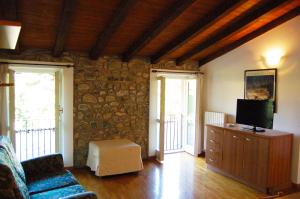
(37, 112)
(173, 124)
(48, 113)
(34, 114)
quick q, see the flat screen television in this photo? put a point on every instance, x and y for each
(256, 113)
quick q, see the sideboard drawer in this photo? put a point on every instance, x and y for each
(213, 159)
(214, 134)
(212, 144)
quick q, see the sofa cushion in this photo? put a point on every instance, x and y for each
(6, 144)
(58, 181)
(11, 184)
(59, 193)
(43, 167)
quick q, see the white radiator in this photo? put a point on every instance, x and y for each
(212, 118)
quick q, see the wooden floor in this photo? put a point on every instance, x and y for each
(181, 176)
(291, 196)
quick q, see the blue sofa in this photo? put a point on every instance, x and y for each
(42, 177)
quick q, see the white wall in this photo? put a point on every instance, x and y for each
(224, 80)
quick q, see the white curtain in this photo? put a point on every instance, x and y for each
(4, 107)
(6, 102)
(156, 117)
(199, 115)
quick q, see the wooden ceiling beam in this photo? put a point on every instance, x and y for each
(233, 27)
(63, 27)
(215, 15)
(8, 10)
(280, 20)
(157, 27)
(104, 37)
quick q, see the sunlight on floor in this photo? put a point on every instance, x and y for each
(181, 176)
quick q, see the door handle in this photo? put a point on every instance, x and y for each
(248, 139)
(235, 137)
(212, 141)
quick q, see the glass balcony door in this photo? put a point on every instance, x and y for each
(174, 118)
(36, 113)
(189, 115)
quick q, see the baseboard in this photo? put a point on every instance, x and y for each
(151, 158)
(202, 154)
(69, 168)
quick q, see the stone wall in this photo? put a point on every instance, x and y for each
(111, 98)
(110, 101)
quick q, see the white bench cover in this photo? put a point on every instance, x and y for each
(110, 157)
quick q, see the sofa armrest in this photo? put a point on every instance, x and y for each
(85, 195)
(44, 166)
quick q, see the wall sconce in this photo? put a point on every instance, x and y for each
(273, 57)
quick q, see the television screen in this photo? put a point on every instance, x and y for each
(257, 113)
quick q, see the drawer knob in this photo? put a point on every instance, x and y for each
(211, 150)
(212, 131)
(211, 160)
(248, 139)
(212, 141)
(235, 137)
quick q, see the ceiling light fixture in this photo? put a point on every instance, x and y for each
(9, 34)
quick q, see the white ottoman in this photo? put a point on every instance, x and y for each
(109, 157)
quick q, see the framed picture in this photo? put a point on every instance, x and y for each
(260, 84)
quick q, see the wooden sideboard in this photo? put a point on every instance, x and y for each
(260, 160)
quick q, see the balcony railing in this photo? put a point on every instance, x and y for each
(173, 133)
(34, 138)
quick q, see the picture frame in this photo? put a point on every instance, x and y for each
(261, 84)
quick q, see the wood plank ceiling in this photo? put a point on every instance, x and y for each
(183, 30)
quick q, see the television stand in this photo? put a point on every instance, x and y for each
(260, 160)
(254, 129)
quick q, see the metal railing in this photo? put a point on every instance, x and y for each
(173, 133)
(34, 138)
